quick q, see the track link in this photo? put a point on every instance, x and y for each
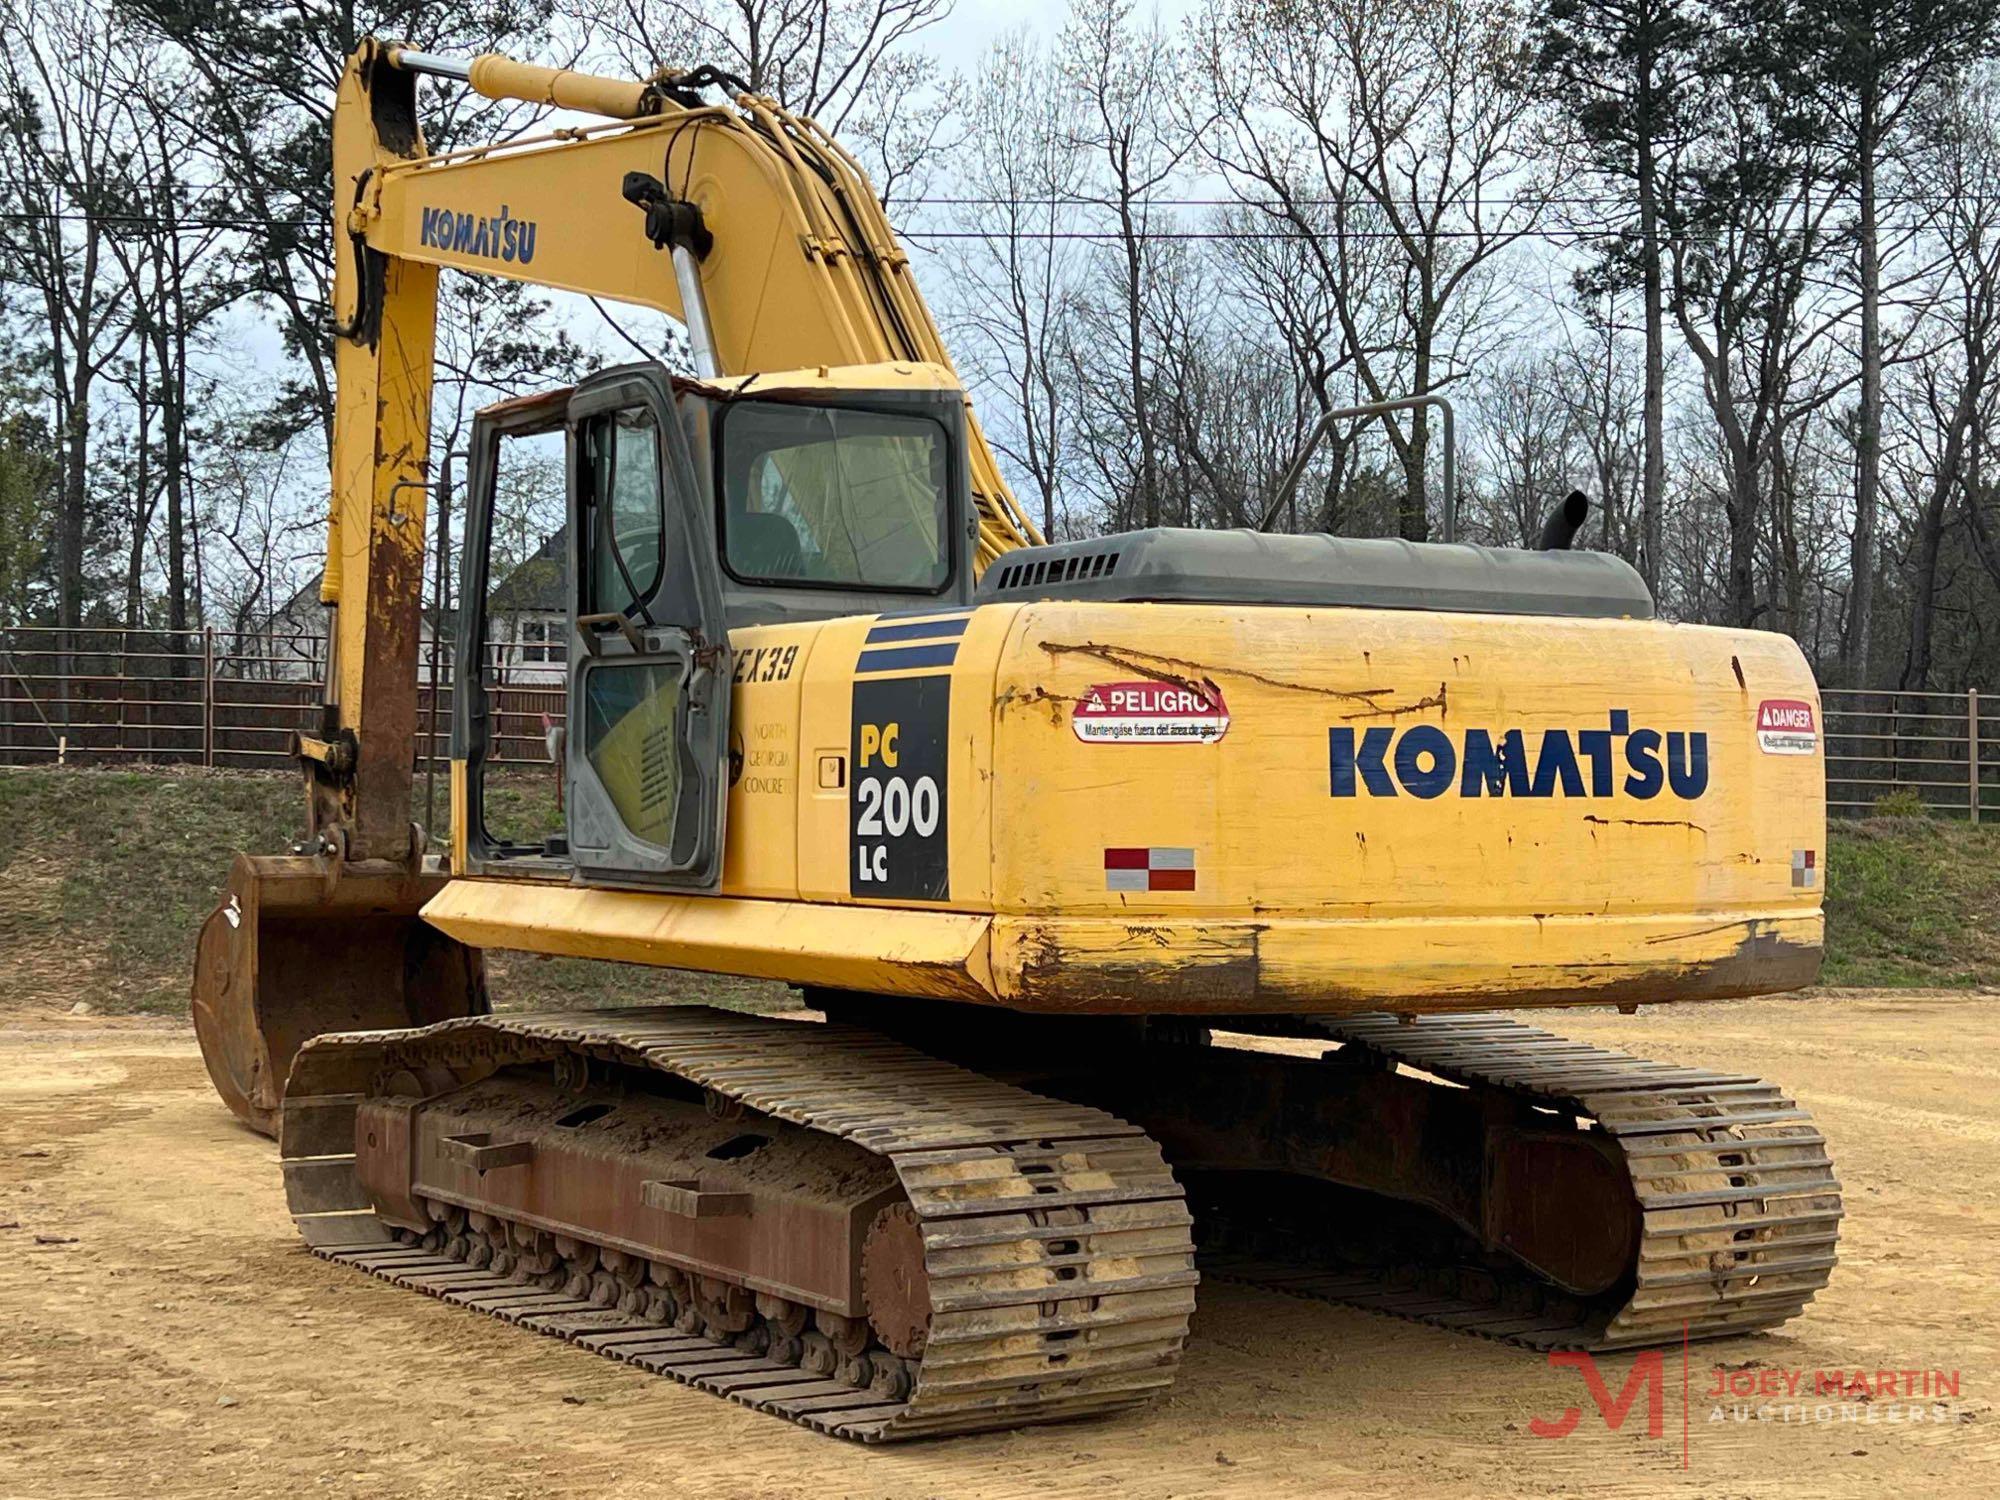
(1056, 1242)
(1740, 1210)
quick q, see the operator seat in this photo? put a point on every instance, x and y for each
(766, 546)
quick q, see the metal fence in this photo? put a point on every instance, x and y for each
(1940, 750)
(226, 698)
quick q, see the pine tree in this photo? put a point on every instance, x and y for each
(1618, 74)
(1860, 67)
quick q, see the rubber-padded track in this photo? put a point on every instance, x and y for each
(1057, 1244)
(1740, 1210)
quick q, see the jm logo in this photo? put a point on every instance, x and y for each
(1648, 1374)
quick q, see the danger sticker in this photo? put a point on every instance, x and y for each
(1125, 713)
(1785, 726)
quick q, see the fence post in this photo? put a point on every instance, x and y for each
(208, 695)
(1972, 746)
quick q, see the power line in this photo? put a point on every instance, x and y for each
(1597, 200)
(1087, 200)
(161, 221)
(1550, 233)
(1240, 236)
(1259, 203)
(1554, 233)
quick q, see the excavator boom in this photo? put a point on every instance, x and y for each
(780, 258)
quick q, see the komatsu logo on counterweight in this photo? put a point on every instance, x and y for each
(1427, 761)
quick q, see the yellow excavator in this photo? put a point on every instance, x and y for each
(1157, 890)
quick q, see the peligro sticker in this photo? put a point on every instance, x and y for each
(1785, 726)
(1150, 713)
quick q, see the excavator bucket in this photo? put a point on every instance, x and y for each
(298, 946)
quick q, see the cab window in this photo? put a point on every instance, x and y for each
(834, 498)
(627, 557)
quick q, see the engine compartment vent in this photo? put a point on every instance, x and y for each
(1083, 565)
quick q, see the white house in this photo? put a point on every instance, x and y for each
(526, 630)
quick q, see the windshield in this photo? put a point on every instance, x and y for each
(834, 497)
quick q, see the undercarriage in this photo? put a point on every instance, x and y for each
(886, 1228)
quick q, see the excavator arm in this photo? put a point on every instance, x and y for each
(778, 256)
(689, 195)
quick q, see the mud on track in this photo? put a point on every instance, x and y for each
(183, 1344)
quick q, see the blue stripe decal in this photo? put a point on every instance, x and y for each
(920, 630)
(908, 656)
(938, 612)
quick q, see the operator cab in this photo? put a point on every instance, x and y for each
(618, 530)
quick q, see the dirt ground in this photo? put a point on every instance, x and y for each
(162, 1333)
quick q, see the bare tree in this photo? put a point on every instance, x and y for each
(1954, 390)
(168, 253)
(490, 347)
(1619, 77)
(1230, 406)
(1021, 171)
(1527, 445)
(271, 548)
(59, 147)
(853, 65)
(1592, 374)
(28, 475)
(1395, 138)
(1276, 278)
(1124, 74)
(1752, 215)
(263, 109)
(1860, 68)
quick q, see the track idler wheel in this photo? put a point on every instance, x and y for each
(894, 1283)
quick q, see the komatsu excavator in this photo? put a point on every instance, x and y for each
(1157, 890)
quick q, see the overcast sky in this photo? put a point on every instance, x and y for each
(253, 342)
(250, 344)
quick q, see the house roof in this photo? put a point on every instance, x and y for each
(306, 594)
(536, 586)
(306, 597)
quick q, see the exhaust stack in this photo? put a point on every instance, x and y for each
(1564, 522)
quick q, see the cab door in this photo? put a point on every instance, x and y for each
(649, 650)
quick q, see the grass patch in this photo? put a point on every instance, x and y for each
(106, 875)
(1912, 901)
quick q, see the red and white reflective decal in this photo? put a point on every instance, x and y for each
(1151, 869)
(1150, 713)
(1787, 726)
